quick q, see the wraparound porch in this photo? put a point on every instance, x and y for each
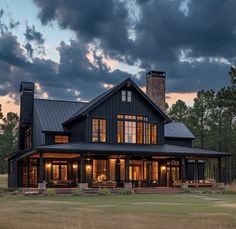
(61, 170)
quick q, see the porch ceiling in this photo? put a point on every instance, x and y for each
(56, 155)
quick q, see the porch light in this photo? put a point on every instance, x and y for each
(74, 166)
(88, 167)
(49, 165)
(163, 168)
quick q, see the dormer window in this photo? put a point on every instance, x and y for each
(126, 96)
(61, 139)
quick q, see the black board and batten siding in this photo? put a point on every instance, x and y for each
(113, 106)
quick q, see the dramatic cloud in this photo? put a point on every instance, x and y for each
(193, 41)
(164, 31)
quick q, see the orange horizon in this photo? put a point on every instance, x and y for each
(9, 105)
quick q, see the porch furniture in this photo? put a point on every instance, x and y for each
(61, 183)
(103, 184)
(196, 184)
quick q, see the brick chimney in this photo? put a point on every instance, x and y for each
(155, 88)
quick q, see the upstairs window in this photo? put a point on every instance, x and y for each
(98, 130)
(126, 96)
(61, 139)
(136, 130)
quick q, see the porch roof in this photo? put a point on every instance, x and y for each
(141, 150)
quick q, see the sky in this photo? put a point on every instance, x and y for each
(76, 49)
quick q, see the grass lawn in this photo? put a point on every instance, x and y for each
(119, 212)
(3, 181)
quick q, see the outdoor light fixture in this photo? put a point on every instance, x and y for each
(88, 167)
(74, 166)
(163, 168)
(49, 165)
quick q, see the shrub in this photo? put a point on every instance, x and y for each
(76, 192)
(104, 191)
(50, 192)
(187, 190)
(228, 192)
(126, 191)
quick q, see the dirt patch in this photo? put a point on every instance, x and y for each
(158, 203)
(226, 205)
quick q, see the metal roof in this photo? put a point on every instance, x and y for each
(161, 150)
(52, 113)
(177, 130)
(93, 103)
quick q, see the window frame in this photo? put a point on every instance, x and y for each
(146, 128)
(61, 136)
(126, 96)
(99, 133)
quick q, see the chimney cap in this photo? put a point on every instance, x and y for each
(154, 73)
(28, 86)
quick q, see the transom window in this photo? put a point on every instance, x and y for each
(98, 130)
(126, 96)
(135, 129)
(61, 139)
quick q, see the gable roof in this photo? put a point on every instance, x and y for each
(52, 113)
(98, 100)
(177, 130)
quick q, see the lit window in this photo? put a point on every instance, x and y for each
(98, 130)
(136, 130)
(61, 139)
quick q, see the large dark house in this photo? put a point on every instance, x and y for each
(123, 136)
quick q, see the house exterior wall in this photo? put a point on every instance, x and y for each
(179, 141)
(113, 106)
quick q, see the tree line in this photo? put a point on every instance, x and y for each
(8, 137)
(212, 118)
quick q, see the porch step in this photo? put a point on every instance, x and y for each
(90, 191)
(159, 190)
(64, 191)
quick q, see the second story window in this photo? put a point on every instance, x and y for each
(126, 96)
(61, 139)
(136, 129)
(98, 130)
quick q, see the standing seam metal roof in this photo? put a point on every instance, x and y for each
(52, 113)
(177, 130)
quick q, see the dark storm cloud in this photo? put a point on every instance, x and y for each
(74, 76)
(32, 35)
(206, 29)
(204, 34)
(10, 50)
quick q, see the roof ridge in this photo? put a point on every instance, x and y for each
(58, 100)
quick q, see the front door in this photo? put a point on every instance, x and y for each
(59, 172)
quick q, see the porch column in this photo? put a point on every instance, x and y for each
(219, 170)
(27, 169)
(118, 172)
(82, 169)
(183, 170)
(230, 170)
(78, 170)
(170, 178)
(127, 169)
(41, 168)
(196, 170)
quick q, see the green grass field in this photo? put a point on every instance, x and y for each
(123, 212)
(157, 211)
